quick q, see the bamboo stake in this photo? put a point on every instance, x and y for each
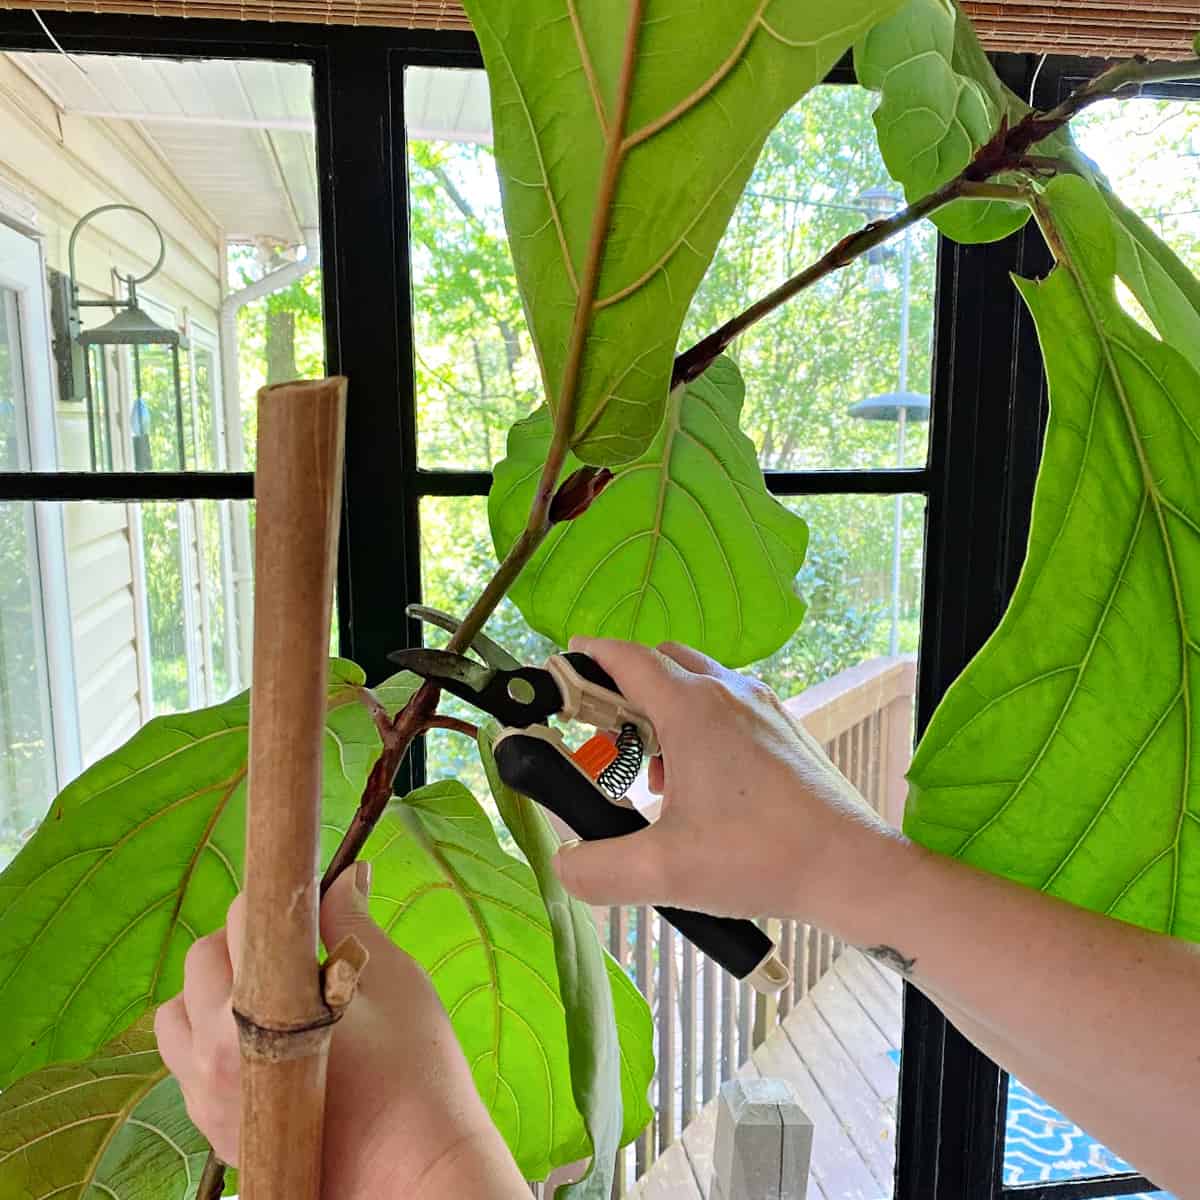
(284, 1021)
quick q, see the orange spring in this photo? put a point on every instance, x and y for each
(598, 752)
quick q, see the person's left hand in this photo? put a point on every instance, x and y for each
(402, 1115)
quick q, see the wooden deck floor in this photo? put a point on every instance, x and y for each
(834, 1049)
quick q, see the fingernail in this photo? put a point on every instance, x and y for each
(569, 844)
(362, 880)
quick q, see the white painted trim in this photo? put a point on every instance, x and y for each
(286, 124)
(18, 210)
(188, 562)
(59, 643)
(26, 275)
(141, 612)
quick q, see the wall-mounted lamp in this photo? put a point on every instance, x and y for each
(131, 326)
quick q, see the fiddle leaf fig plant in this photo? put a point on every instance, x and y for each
(619, 171)
(1063, 756)
(631, 504)
(687, 545)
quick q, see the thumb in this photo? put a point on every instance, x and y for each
(623, 870)
(345, 909)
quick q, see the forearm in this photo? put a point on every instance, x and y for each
(1069, 1000)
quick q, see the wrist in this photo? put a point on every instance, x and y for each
(871, 887)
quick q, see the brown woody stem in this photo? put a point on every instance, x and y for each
(442, 721)
(1007, 151)
(694, 362)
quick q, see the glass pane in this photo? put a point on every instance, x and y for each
(111, 614)
(217, 155)
(1044, 1146)
(457, 560)
(849, 674)
(861, 334)
(27, 765)
(1150, 151)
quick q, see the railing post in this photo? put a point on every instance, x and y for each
(896, 754)
(763, 1143)
(644, 1154)
(666, 1034)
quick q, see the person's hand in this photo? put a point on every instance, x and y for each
(402, 1114)
(756, 821)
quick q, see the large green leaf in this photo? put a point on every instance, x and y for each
(939, 102)
(472, 915)
(624, 135)
(137, 858)
(584, 971)
(684, 543)
(1064, 756)
(1167, 291)
(112, 1126)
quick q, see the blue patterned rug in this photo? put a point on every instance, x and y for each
(1043, 1146)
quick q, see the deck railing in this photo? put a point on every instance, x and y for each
(707, 1024)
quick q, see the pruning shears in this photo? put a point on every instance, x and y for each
(584, 787)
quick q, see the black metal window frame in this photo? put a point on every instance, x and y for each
(987, 420)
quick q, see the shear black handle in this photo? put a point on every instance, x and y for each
(591, 670)
(538, 769)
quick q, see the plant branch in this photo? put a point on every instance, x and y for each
(1008, 150)
(694, 362)
(443, 721)
(1134, 72)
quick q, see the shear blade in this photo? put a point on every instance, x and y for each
(491, 652)
(525, 696)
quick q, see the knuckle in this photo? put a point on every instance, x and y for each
(198, 953)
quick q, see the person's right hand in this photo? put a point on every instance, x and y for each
(756, 821)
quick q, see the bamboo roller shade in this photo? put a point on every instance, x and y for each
(1108, 28)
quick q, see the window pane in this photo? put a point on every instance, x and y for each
(220, 157)
(1044, 1146)
(27, 767)
(859, 335)
(111, 614)
(1150, 151)
(457, 560)
(840, 676)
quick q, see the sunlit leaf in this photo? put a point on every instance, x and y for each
(138, 857)
(940, 100)
(1064, 756)
(624, 135)
(111, 1126)
(684, 543)
(472, 915)
(1167, 291)
(603, 1065)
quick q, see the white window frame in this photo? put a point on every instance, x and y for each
(23, 270)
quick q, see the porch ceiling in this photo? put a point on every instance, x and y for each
(238, 135)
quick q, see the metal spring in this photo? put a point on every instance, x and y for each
(618, 777)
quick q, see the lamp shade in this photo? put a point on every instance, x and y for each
(887, 405)
(131, 327)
